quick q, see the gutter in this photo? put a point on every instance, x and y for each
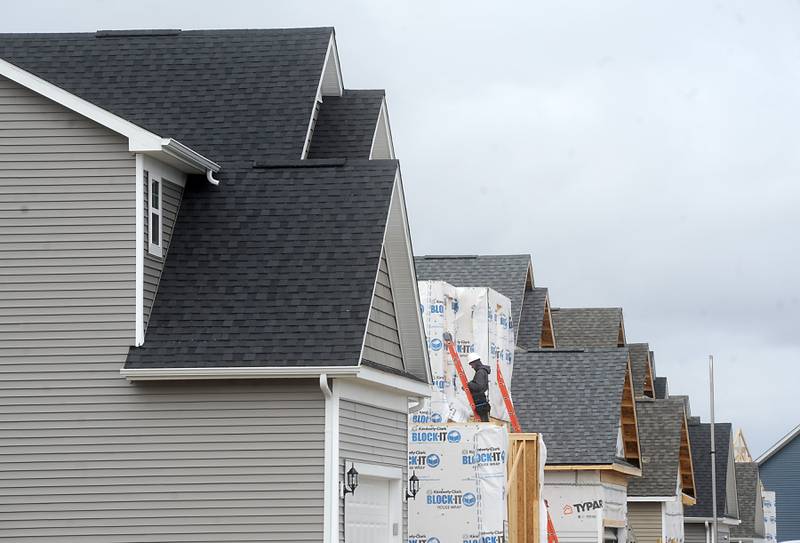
(191, 158)
(360, 373)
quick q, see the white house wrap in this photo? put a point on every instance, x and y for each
(480, 321)
(462, 473)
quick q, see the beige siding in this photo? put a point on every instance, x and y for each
(86, 456)
(382, 342)
(373, 435)
(153, 265)
(644, 518)
(694, 532)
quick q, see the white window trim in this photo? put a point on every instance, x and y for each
(155, 249)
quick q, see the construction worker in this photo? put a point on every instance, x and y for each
(479, 386)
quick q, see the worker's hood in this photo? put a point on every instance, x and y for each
(482, 366)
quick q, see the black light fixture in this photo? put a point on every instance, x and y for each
(413, 486)
(352, 480)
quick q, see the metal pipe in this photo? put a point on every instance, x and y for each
(713, 453)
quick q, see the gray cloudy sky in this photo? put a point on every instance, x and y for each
(645, 154)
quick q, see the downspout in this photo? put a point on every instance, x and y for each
(331, 468)
(215, 182)
(708, 533)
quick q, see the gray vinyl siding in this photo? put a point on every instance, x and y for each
(382, 342)
(153, 265)
(694, 532)
(781, 473)
(86, 456)
(67, 229)
(96, 459)
(645, 520)
(373, 435)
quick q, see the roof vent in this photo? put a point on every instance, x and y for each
(137, 33)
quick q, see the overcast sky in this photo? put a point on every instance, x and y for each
(645, 154)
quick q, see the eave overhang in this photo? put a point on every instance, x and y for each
(139, 139)
(619, 468)
(363, 373)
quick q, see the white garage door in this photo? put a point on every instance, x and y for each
(367, 517)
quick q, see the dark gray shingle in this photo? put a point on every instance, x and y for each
(748, 489)
(660, 424)
(585, 328)
(346, 125)
(661, 388)
(700, 443)
(275, 268)
(529, 327)
(573, 398)
(640, 361)
(228, 94)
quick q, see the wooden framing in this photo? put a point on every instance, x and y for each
(686, 465)
(649, 379)
(523, 488)
(628, 421)
(548, 338)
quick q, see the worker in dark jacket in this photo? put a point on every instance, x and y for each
(479, 386)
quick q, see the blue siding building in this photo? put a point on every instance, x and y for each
(780, 471)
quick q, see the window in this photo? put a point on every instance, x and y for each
(155, 214)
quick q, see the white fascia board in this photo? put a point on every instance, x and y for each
(394, 382)
(652, 498)
(413, 271)
(383, 121)
(721, 520)
(370, 375)
(331, 466)
(237, 372)
(331, 56)
(779, 445)
(140, 140)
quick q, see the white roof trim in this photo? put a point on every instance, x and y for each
(383, 122)
(652, 498)
(779, 445)
(365, 373)
(139, 139)
(329, 85)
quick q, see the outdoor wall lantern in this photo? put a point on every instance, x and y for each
(352, 481)
(413, 486)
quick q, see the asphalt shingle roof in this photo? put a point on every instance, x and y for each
(507, 274)
(274, 269)
(660, 387)
(584, 328)
(660, 423)
(639, 362)
(748, 490)
(573, 398)
(529, 327)
(700, 443)
(346, 125)
(228, 94)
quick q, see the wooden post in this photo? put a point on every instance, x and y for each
(523, 488)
